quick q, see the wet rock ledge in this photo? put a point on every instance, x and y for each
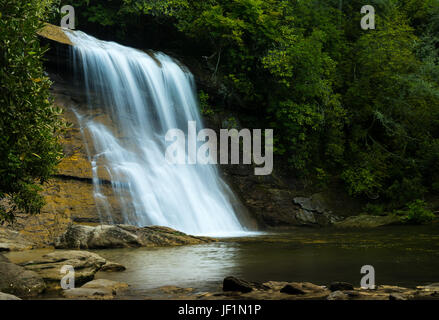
(123, 236)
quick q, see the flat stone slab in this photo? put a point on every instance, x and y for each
(105, 284)
(6, 296)
(85, 265)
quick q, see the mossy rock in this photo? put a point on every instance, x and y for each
(367, 221)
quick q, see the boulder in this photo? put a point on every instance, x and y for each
(85, 264)
(123, 236)
(19, 281)
(112, 267)
(158, 236)
(313, 203)
(292, 288)
(6, 296)
(305, 216)
(3, 258)
(235, 284)
(336, 286)
(315, 210)
(239, 285)
(103, 236)
(11, 240)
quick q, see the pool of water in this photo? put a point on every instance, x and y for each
(404, 256)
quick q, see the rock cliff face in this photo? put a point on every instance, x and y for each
(277, 201)
(69, 195)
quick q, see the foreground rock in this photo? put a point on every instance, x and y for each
(272, 290)
(293, 288)
(97, 289)
(240, 289)
(85, 264)
(5, 296)
(235, 284)
(123, 236)
(11, 240)
(18, 281)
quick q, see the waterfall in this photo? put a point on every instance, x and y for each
(145, 95)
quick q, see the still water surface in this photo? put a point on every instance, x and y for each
(405, 256)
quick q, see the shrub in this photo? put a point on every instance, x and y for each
(416, 213)
(29, 123)
(374, 209)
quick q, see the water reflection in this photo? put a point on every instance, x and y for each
(401, 256)
(198, 266)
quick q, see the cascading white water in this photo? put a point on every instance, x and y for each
(145, 96)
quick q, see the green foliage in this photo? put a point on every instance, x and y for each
(374, 209)
(361, 181)
(416, 213)
(205, 108)
(322, 178)
(29, 125)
